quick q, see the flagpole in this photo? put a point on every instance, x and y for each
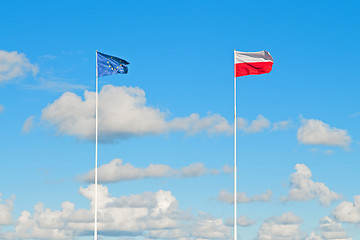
(235, 192)
(96, 147)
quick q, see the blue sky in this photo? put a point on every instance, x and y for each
(166, 154)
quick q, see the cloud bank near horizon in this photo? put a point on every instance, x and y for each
(154, 215)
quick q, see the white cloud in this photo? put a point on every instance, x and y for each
(194, 170)
(44, 224)
(245, 221)
(28, 124)
(241, 123)
(314, 236)
(227, 197)
(5, 211)
(153, 215)
(214, 172)
(316, 132)
(14, 64)
(304, 189)
(116, 171)
(167, 234)
(348, 212)
(242, 221)
(284, 227)
(258, 125)
(330, 230)
(281, 125)
(122, 113)
(1, 108)
(207, 227)
(212, 124)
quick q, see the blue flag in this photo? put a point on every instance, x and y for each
(109, 65)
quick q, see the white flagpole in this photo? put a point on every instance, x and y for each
(235, 193)
(96, 147)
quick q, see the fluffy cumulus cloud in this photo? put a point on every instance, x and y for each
(153, 215)
(330, 230)
(316, 132)
(205, 227)
(304, 189)
(287, 226)
(225, 196)
(284, 227)
(116, 171)
(348, 212)
(14, 64)
(5, 211)
(122, 113)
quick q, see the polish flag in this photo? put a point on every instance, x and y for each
(252, 63)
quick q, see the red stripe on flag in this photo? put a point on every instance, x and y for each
(252, 68)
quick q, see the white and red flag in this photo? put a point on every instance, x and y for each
(252, 63)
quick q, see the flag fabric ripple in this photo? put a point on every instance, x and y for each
(252, 63)
(109, 65)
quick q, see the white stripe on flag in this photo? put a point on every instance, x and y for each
(262, 56)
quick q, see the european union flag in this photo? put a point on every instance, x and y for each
(109, 65)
